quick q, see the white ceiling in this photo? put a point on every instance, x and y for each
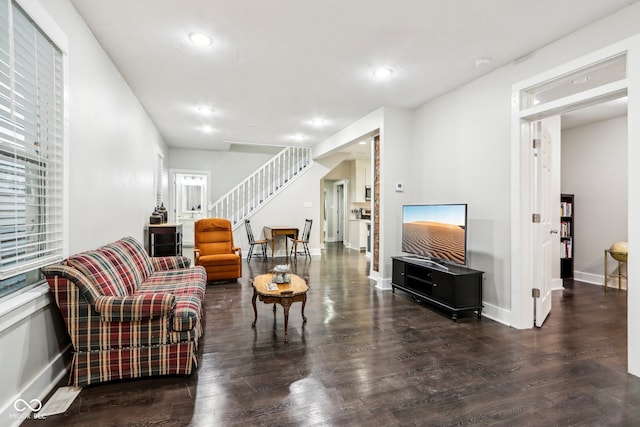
(595, 113)
(275, 65)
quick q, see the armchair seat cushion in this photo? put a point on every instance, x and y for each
(221, 259)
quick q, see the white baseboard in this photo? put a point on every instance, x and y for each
(383, 284)
(38, 388)
(597, 279)
(556, 284)
(496, 313)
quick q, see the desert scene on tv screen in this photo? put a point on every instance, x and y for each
(434, 240)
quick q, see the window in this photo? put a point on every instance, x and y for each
(31, 139)
(159, 179)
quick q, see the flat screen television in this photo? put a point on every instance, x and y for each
(436, 232)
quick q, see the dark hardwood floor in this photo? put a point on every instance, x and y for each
(368, 357)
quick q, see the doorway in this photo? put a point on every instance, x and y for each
(537, 100)
(340, 192)
(595, 175)
(189, 196)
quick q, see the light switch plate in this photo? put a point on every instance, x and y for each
(399, 187)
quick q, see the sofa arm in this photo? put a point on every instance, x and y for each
(237, 250)
(88, 290)
(170, 262)
(134, 307)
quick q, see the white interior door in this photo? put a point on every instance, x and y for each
(542, 191)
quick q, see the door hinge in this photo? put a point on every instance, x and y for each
(535, 293)
(535, 218)
(536, 144)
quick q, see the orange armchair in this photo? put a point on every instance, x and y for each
(214, 250)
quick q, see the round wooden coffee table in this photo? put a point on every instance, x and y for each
(285, 295)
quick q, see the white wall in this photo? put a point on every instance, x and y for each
(113, 146)
(594, 168)
(397, 165)
(461, 155)
(227, 168)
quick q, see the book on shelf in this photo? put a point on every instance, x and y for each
(566, 249)
(566, 209)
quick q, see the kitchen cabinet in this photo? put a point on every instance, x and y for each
(362, 178)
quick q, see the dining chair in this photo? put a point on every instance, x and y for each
(253, 242)
(304, 240)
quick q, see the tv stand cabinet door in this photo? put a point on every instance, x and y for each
(443, 287)
(398, 274)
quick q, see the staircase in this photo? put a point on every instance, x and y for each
(270, 179)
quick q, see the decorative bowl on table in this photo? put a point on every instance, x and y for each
(281, 273)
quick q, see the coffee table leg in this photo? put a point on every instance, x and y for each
(255, 312)
(286, 322)
(304, 302)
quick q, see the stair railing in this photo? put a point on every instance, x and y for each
(270, 179)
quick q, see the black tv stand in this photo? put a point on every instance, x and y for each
(453, 288)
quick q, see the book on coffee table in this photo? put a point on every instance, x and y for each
(272, 286)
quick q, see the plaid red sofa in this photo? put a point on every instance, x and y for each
(129, 315)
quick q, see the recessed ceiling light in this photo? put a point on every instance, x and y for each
(200, 39)
(482, 61)
(206, 129)
(318, 122)
(299, 137)
(383, 73)
(205, 111)
(362, 142)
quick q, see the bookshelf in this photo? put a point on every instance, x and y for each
(566, 235)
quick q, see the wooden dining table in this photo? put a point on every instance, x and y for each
(271, 232)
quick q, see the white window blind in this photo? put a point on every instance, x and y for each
(31, 138)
